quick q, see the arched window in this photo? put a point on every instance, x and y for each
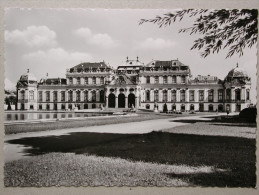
(165, 79)
(182, 96)
(191, 95)
(156, 79)
(102, 96)
(147, 106)
(86, 80)
(156, 96)
(228, 94)
(211, 94)
(93, 96)
(173, 96)
(102, 80)
(164, 96)
(31, 95)
(71, 81)
(147, 95)
(201, 95)
(183, 79)
(63, 96)
(86, 96)
(47, 96)
(210, 108)
(55, 95)
(247, 94)
(70, 96)
(220, 95)
(237, 95)
(40, 96)
(78, 94)
(148, 79)
(78, 81)
(94, 80)
(174, 79)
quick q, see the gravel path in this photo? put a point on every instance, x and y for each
(58, 169)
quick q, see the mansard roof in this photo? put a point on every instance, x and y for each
(168, 63)
(53, 81)
(87, 65)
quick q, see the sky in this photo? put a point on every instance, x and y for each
(53, 40)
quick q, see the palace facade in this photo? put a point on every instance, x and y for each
(135, 84)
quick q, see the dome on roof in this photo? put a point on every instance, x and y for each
(28, 77)
(237, 72)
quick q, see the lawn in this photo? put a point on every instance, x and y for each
(235, 155)
(43, 126)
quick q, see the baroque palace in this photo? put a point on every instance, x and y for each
(135, 84)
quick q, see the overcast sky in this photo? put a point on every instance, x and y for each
(52, 40)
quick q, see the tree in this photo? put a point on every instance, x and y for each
(233, 29)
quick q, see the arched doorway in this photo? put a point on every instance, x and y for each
(121, 100)
(238, 107)
(210, 108)
(201, 107)
(182, 108)
(131, 100)
(220, 108)
(111, 101)
(191, 107)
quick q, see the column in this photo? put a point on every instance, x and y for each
(232, 94)
(136, 101)
(243, 93)
(97, 95)
(187, 95)
(177, 95)
(169, 96)
(116, 101)
(160, 95)
(106, 100)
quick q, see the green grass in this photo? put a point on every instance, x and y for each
(32, 127)
(237, 155)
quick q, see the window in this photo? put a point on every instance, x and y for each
(156, 96)
(93, 96)
(156, 79)
(47, 96)
(71, 81)
(63, 96)
(191, 95)
(211, 93)
(220, 95)
(237, 95)
(201, 95)
(70, 96)
(31, 97)
(55, 95)
(102, 80)
(173, 96)
(183, 79)
(102, 97)
(182, 97)
(247, 95)
(86, 80)
(228, 94)
(148, 79)
(165, 79)
(86, 96)
(174, 79)
(147, 106)
(40, 107)
(94, 80)
(78, 98)
(40, 96)
(22, 95)
(165, 96)
(147, 95)
(78, 81)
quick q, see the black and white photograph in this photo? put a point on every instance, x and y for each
(130, 97)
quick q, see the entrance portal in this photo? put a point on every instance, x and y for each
(131, 99)
(121, 101)
(111, 101)
(238, 107)
(201, 107)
